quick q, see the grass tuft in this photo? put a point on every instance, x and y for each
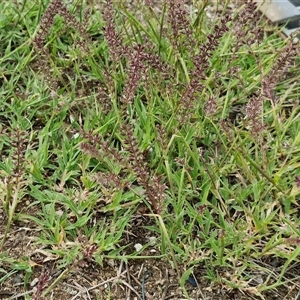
(149, 125)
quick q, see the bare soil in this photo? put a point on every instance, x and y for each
(118, 280)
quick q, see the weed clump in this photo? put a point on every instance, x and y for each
(168, 120)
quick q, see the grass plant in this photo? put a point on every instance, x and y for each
(113, 116)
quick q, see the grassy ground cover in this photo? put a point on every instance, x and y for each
(147, 153)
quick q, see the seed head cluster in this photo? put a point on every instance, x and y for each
(137, 58)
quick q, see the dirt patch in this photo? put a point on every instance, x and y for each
(141, 278)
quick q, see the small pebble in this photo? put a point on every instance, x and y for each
(138, 247)
(34, 282)
(18, 279)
